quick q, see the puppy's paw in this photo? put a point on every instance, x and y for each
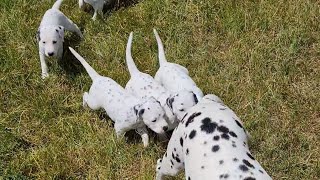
(44, 75)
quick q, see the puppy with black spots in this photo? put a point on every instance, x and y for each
(210, 143)
(144, 86)
(50, 35)
(174, 77)
(127, 111)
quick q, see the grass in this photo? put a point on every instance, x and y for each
(260, 57)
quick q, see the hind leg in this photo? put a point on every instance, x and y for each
(90, 102)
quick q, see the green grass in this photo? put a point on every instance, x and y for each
(262, 58)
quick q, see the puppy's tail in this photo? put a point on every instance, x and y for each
(57, 4)
(162, 57)
(130, 63)
(81, 2)
(92, 73)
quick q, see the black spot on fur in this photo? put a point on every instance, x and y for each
(238, 123)
(233, 134)
(222, 109)
(246, 162)
(221, 162)
(202, 167)
(225, 136)
(260, 171)
(195, 98)
(249, 178)
(174, 149)
(177, 159)
(216, 138)
(243, 168)
(192, 134)
(181, 141)
(250, 156)
(189, 178)
(184, 116)
(215, 148)
(223, 129)
(208, 126)
(191, 118)
(233, 145)
(171, 162)
(235, 159)
(187, 151)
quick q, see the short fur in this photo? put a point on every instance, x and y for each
(127, 111)
(50, 35)
(144, 86)
(210, 143)
(173, 76)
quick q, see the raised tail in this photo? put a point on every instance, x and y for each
(92, 73)
(130, 63)
(81, 2)
(57, 4)
(162, 57)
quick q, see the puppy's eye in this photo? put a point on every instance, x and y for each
(43, 42)
(154, 120)
(181, 109)
(54, 42)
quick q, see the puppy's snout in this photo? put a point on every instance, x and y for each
(50, 54)
(165, 128)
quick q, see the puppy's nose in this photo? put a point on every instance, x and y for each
(165, 128)
(50, 54)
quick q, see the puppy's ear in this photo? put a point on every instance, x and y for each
(60, 31)
(38, 35)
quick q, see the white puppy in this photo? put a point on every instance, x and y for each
(144, 86)
(210, 143)
(96, 4)
(50, 35)
(127, 111)
(173, 76)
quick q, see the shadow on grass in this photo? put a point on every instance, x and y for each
(69, 64)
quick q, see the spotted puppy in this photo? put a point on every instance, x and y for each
(174, 76)
(144, 86)
(50, 35)
(127, 111)
(210, 143)
(96, 4)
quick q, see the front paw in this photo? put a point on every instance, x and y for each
(44, 75)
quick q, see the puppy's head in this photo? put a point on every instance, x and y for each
(152, 114)
(180, 102)
(50, 39)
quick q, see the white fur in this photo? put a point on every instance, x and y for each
(173, 76)
(96, 4)
(144, 86)
(50, 35)
(210, 143)
(127, 111)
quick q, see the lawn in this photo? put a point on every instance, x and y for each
(261, 57)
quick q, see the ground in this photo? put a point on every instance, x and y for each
(261, 57)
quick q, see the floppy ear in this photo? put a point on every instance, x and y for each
(60, 31)
(38, 35)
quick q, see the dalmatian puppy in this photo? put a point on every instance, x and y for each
(50, 35)
(144, 86)
(127, 111)
(210, 143)
(174, 76)
(96, 4)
